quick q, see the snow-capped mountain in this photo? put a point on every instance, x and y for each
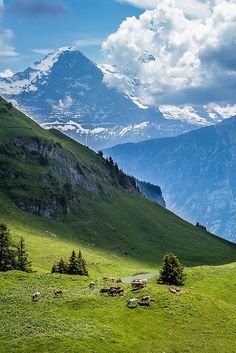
(196, 172)
(69, 92)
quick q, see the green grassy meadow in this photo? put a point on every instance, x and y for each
(199, 320)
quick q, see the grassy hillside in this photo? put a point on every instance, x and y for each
(59, 196)
(118, 230)
(200, 320)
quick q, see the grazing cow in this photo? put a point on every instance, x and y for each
(139, 283)
(174, 290)
(112, 291)
(104, 290)
(132, 303)
(146, 298)
(115, 290)
(120, 291)
(91, 285)
(36, 296)
(58, 293)
(145, 301)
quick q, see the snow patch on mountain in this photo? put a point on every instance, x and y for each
(186, 113)
(73, 126)
(47, 63)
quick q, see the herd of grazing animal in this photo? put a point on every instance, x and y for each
(116, 291)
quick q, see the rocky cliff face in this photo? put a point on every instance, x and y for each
(151, 192)
(196, 172)
(44, 172)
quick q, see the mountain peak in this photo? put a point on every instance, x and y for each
(50, 59)
(146, 58)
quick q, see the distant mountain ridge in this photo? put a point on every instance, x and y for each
(196, 172)
(69, 92)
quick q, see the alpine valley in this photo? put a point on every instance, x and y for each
(69, 92)
(60, 195)
(196, 171)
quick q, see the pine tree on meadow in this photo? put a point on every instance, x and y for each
(7, 254)
(172, 271)
(73, 267)
(22, 262)
(82, 265)
(62, 266)
(54, 268)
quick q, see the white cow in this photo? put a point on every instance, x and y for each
(132, 303)
(36, 296)
(91, 285)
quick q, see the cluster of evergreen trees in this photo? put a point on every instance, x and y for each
(201, 226)
(76, 265)
(12, 256)
(118, 175)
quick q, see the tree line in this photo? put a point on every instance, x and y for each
(76, 265)
(201, 226)
(117, 174)
(12, 256)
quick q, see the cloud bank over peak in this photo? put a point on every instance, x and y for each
(195, 58)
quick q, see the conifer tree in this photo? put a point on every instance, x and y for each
(82, 265)
(84, 268)
(54, 268)
(22, 262)
(172, 271)
(73, 268)
(7, 255)
(61, 267)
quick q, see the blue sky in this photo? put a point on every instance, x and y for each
(64, 23)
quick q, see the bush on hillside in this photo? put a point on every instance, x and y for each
(172, 271)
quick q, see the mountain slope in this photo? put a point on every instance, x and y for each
(196, 171)
(69, 92)
(75, 198)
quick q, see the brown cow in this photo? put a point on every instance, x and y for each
(139, 283)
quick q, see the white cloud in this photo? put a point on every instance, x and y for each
(42, 51)
(7, 73)
(6, 49)
(6, 35)
(193, 8)
(88, 42)
(193, 56)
